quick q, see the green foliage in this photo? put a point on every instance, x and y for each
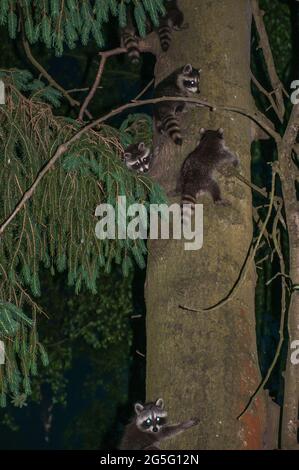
(57, 23)
(57, 227)
(10, 319)
(278, 24)
(85, 327)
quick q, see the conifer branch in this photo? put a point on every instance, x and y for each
(257, 117)
(51, 80)
(150, 44)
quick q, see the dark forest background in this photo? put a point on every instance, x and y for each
(96, 344)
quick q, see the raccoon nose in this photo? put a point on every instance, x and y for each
(155, 429)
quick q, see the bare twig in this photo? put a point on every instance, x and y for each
(233, 172)
(277, 86)
(246, 266)
(276, 276)
(63, 147)
(283, 312)
(80, 90)
(43, 72)
(144, 90)
(140, 353)
(104, 56)
(145, 45)
(269, 95)
(257, 117)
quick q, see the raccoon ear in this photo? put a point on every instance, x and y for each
(160, 403)
(187, 69)
(138, 408)
(221, 131)
(126, 156)
(202, 131)
(141, 146)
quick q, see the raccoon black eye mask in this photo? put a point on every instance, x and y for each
(149, 427)
(138, 157)
(183, 82)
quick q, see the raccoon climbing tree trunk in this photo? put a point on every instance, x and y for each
(205, 364)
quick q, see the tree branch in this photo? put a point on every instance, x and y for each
(104, 56)
(247, 263)
(268, 94)
(149, 44)
(40, 68)
(283, 310)
(288, 177)
(277, 86)
(63, 147)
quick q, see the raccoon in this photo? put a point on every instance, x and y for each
(148, 427)
(197, 172)
(129, 39)
(173, 20)
(182, 82)
(138, 157)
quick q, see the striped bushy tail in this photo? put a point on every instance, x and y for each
(131, 44)
(164, 32)
(171, 127)
(187, 208)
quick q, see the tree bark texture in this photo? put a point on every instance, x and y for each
(205, 364)
(288, 177)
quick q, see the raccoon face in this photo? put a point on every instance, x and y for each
(138, 157)
(150, 417)
(188, 80)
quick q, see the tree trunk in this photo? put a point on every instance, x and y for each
(289, 436)
(205, 364)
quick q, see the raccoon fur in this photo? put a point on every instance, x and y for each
(182, 82)
(129, 39)
(138, 157)
(173, 20)
(197, 172)
(149, 427)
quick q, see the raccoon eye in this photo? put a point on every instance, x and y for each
(148, 422)
(158, 419)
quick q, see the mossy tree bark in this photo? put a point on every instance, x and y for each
(205, 364)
